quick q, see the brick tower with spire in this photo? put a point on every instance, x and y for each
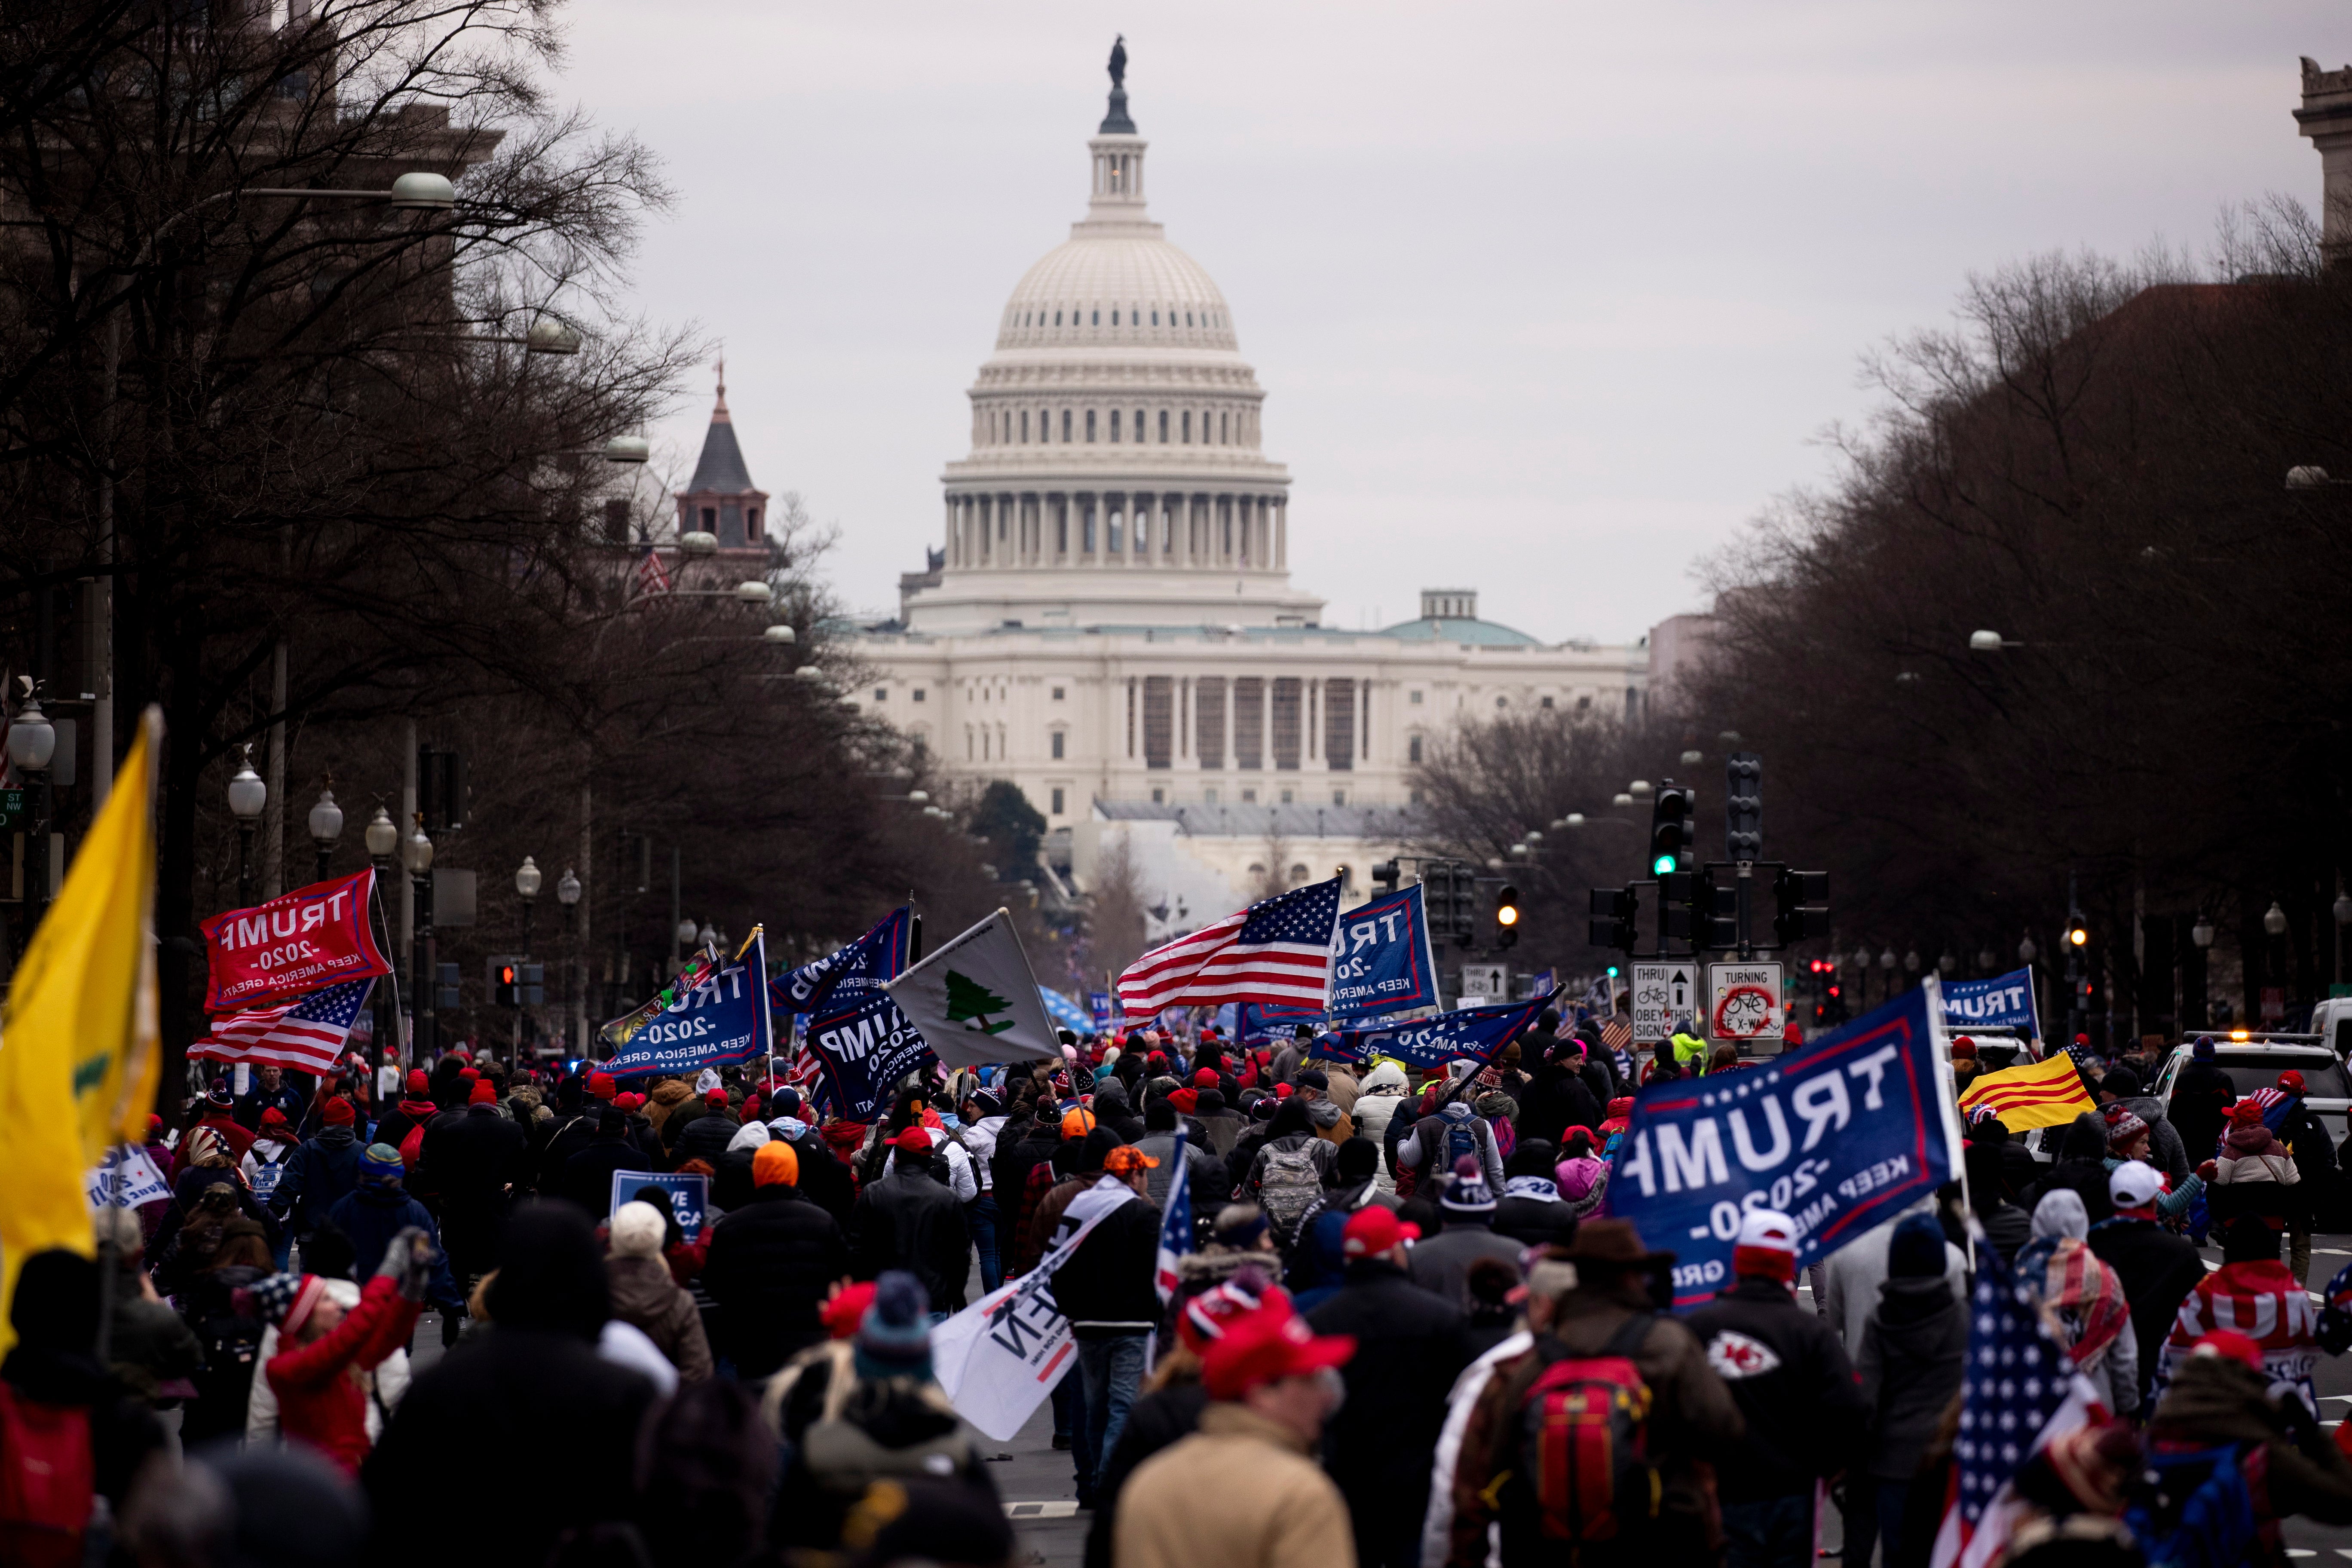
(721, 498)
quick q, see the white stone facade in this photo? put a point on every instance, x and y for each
(1113, 620)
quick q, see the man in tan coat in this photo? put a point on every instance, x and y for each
(1272, 1384)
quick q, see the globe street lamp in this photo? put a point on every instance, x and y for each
(246, 795)
(526, 881)
(567, 894)
(31, 741)
(416, 855)
(326, 827)
(382, 836)
(2026, 951)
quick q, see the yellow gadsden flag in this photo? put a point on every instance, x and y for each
(2036, 1094)
(78, 1046)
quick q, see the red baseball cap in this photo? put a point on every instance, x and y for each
(2231, 1345)
(914, 1141)
(1374, 1230)
(1265, 1346)
(1204, 1317)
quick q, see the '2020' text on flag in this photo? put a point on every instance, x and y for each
(1278, 950)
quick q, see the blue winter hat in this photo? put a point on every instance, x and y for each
(379, 1162)
(2203, 1049)
(894, 1338)
(1917, 1250)
(1467, 1193)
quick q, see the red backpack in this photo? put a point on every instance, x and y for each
(1585, 1441)
(47, 1480)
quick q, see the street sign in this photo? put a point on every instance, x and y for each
(1490, 981)
(12, 809)
(1747, 1001)
(1662, 993)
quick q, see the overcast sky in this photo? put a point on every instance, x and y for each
(1550, 300)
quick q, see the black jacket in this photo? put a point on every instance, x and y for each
(771, 1264)
(1535, 1221)
(588, 1175)
(1014, 1162)
(2157, 1270)
(317, 1173)
(1912, 1353)
(2199, 1108)
(571, 1134)
(540, 1398)
(1106, 1288)
(909, 1221)
(706, 1137)
(1790, 1378)
(1157, 1420)
(469, 1157)
(824, 1180)
(1409, 1349)
(1557, 1099)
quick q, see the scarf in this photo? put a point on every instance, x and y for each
(2081, 1301)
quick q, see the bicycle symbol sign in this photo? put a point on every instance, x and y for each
(1747, 1001)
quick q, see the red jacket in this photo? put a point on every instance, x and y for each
(318, 1400)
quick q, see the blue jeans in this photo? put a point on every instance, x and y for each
(1113, 1369)
(1770, 1533)
(981, 1212)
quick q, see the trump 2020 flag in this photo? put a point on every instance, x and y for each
(1278, 950)
(1841, 1135)
(1175, 1222)
(975, 1000)
(722, 1018)
(1477, 1033)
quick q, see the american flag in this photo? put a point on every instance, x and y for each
(652, 577)
(2020, 1391)
(1277, 950)
(1175, 1222)
(307, 1034)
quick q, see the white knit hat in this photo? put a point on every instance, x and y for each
(639, 1230)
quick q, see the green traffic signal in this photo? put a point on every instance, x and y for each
(1612, 971)
(1663, 864)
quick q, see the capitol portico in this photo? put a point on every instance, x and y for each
(1108, 620)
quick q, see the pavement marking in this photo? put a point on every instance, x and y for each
(1065, 1508)
(2332, 1252)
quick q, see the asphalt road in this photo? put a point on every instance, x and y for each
(1035, 1482)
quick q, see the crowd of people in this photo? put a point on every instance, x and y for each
(1406, 1329)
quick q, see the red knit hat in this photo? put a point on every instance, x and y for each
(485, 1093)
(419, 1081)
(469, 1074)
(1767, 1246)
(339, 1113)
(1205, 1078)
(273, 1118)
(601, 1085)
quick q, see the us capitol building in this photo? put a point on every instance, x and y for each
(1110, 623)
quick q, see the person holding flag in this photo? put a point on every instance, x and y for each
(1109, 1289)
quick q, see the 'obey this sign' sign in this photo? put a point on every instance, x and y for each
(1840, 1136)
(298, 941)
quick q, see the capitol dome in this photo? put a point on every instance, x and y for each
(1116, 475)
(1116, 290)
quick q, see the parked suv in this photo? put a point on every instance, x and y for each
(2256, 1062)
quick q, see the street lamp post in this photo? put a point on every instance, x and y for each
(31, 741)
(526, 881)
(416, 853)
(246, 795)
(326, 827)
(2342, 910)
(382, 839)
(2201, 936)
(567, 894)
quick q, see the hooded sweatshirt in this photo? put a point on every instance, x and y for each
(1382, 1091)
(1912, 1353)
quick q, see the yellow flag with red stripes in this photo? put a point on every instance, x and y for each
(2034, 1094)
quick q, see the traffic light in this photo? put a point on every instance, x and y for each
(1743, 808)
(1613, 909)
(530, 979)
(2078, 932)
(1670, 828)
(1722, 915)
(1448, 889)
(1802, 898)
(1386, 875)
(1506, 917)
(1677, 892)
(503, 978)
(445, 987)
